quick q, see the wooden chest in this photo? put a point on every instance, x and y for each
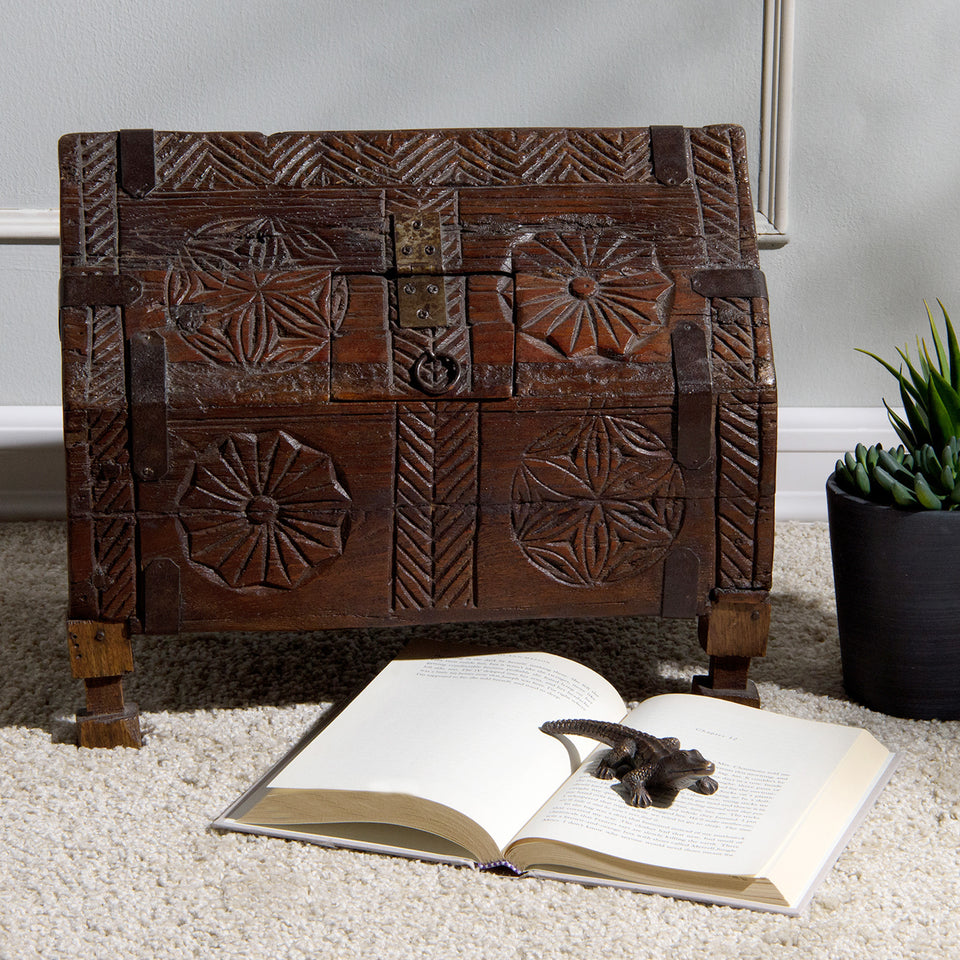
(323, 380)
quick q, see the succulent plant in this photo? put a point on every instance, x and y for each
(924, 471)
(923, 479)
(930, 393)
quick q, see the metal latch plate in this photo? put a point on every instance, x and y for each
(422, 301)
(421, 291)
(417, 243)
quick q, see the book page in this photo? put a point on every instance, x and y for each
(770, 769)
(459, 731)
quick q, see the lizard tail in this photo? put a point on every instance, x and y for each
(608, 733)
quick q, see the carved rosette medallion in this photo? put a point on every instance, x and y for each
(590, 294)
(251, 317)
(596, 500)
(236, 295)
(263, 510)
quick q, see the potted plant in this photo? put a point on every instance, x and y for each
(894, 517)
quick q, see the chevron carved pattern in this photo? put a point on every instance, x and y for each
(97, 179)
(560, 156)
(434, 548)
(411, 158)
(112, 502)
(436, 500)
(97, 386)
(212, 161)
(713, 166)
(105, 382)
(116, 566)
(739, 452)
(734, 353)
(112, 490)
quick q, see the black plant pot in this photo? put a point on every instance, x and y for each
(897, 581)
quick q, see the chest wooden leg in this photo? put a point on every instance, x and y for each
(100, 655)
(731, 632)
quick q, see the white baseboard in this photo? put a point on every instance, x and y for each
(810, 439)
(32, 467)
(809, 442)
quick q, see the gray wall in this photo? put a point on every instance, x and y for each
(874, 206)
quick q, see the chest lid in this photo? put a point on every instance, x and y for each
(484, 264)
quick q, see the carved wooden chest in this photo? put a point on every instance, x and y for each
(332, 379)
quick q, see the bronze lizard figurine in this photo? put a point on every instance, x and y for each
(650, 761)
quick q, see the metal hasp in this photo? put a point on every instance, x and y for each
(136, 172)
(670, 155)
(421, 291)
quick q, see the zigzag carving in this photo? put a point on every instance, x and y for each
(738, 489)
(434, 550)
(436, 515)
(436, 454)
(112, 488)
(212, 161)
(116, 574)
(736, 527)
(739, 440)
(717, 184)
(411, 158)
(561, 156)
(733, 344)
(105, 384)
(104, 387)
(97, 182)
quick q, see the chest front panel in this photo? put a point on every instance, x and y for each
(335, 379)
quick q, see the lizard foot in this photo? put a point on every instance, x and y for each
(706, 785)
(605, 771)
(637, 795)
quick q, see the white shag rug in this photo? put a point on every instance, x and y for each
(107, 853)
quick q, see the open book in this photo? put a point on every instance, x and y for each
(442, 758)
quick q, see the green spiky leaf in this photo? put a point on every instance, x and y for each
(941, 424)
(953, 349)
(943, 361)
(918, 420)
(900, 425)
(898, 374)
(950, 399)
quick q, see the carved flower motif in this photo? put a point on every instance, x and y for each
(589, 294)
(249, 316)
(596, 501)
(264, 511)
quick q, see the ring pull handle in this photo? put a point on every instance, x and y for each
(435, 373)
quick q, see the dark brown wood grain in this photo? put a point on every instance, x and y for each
(263, 432)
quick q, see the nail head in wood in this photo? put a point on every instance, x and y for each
(99, 649)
